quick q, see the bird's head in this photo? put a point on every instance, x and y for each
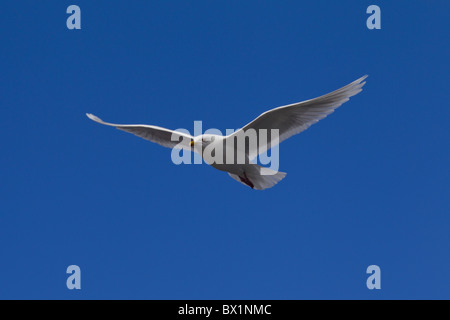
(200, 142)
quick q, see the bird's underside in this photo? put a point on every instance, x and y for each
(255, 179)
(282, 122)
(251, 174)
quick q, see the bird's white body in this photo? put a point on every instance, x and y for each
(239, 166)
(286, 121)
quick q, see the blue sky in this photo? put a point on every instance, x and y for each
(368, 185)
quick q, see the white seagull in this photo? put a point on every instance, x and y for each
(289, 120)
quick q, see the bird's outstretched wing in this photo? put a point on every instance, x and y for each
(165, 137)
(295, 118)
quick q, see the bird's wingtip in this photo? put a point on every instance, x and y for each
(361, 81)
(93, 117)
(364, 77)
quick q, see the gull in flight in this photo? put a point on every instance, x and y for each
(288, 120)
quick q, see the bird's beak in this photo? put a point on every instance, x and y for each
(192, 143)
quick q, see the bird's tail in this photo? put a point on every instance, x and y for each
(259, 178)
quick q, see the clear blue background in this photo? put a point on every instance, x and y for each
(368, 185)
